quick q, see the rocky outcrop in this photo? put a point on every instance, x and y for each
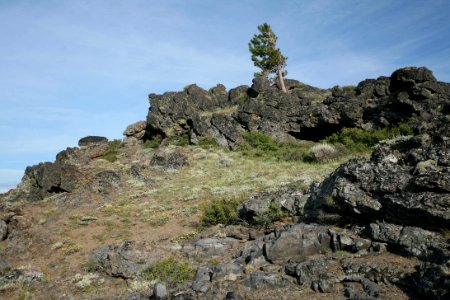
(135, 132)
(48, 178)
(304, 112)
(401, 196)
(394, 206)
(406, 182)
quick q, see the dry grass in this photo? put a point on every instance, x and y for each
(168, 209)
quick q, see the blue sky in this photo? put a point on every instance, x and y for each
(74, 68)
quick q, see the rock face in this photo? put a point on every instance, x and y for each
(304, 112)
(403, 191)
(406, 181)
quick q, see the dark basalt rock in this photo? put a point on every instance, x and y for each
(290, 198)
(305, 112)
(90, 140)
(127, 260)
(106, 182)
(405, 182)
(315, 274)
(18, 278)
(48, 178)
(433, 280)
(410, 241)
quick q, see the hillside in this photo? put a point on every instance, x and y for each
(251, 193)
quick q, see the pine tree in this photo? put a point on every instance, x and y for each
(266, 55)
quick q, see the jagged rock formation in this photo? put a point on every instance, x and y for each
(304, 112)
(376, 228)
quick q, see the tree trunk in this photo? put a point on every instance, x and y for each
(280, 77)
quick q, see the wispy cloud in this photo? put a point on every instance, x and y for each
(74, 68)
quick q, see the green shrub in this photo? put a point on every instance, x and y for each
(153, 143)
(170, 270)
(207, 142)
(275, 213)
(112, 154)
(179, 140)
(349, 88)
(359, 140)
(221, 212)
(256, 144)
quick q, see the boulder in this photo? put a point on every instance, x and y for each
(105, 182)
(135, 132)
(264, 280)
(318, 274)
(160, 292)
(127, 260)
(408, 240)
(48, 178)
(297, 242)
(91, 140)
(291, 199)
(202, 279)
(169, 159)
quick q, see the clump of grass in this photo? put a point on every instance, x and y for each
(207, 142)
(158, 219)
(153, 143)
(359, 140)
(72, 248)
(322, 152)
(256, 144)
(221, 212)
(341, 253)
(112, 154)
(349, 88)
(170, 270)
(179, 140)
(274, 213)
(184, 236)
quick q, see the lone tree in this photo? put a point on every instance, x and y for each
(266, 55)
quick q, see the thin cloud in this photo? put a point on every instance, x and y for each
(76, 68)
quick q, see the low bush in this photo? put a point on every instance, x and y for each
(207, 142)
(170, 270)
(221, 212)
(179, 140)
(112, 154)
(359, 140)
(153, 143)
(256, 144)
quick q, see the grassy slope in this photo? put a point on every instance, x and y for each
(165, 209)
